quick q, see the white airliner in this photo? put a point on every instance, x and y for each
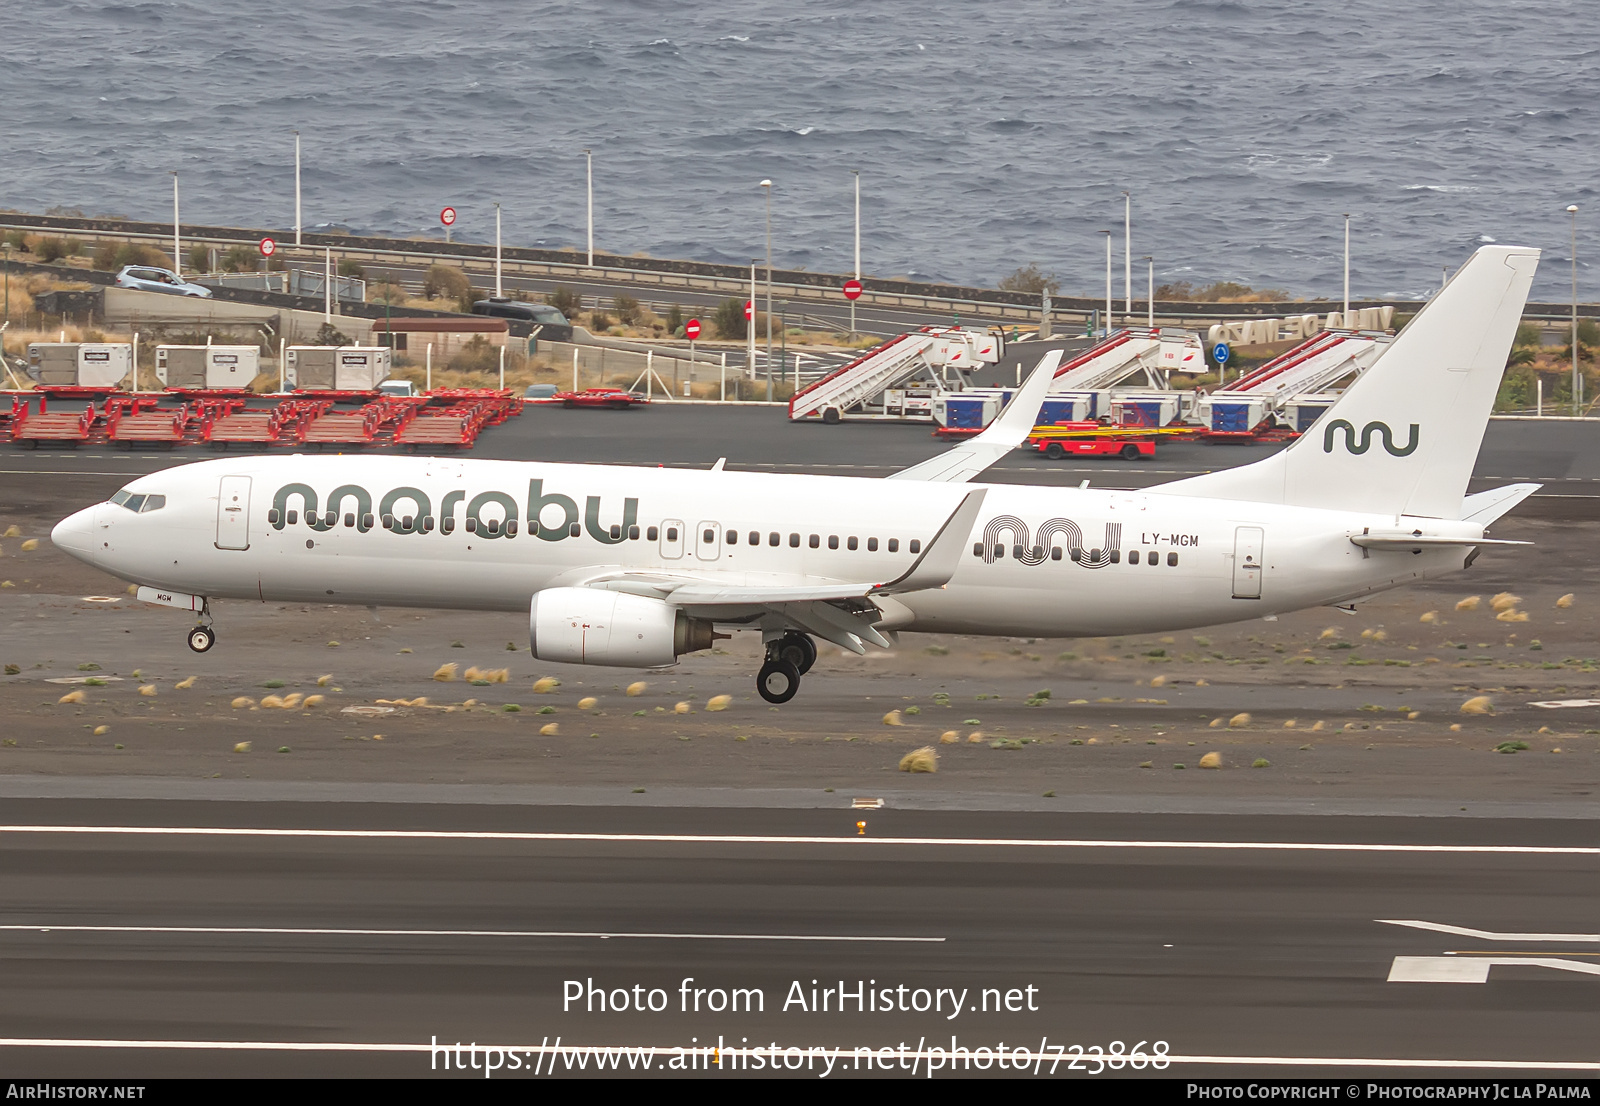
(635, 567)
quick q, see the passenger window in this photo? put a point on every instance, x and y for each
(511, 528)
(999, 552)
(153, 503)
(833, 541)
(427, 524)
(814, 542)
(1116, 556)
(1172, 560)
(447, 526)
(491, 526)
(977, 549)
(350, 520)
(1017, 551)
(405, 523)
(672, 533)
(894, 545)
(1133, 556)
(794, 541)
(616, 532)
(916, 545)
(472, 525)
(388, 521)
(773, 538)
(1077, 554)
(872, 545)
(633, 533)
(366, 521)
(330, 518)
(708, 536)
(652, 533)
(294, 517)
(1055, 553)
(733, 537)
(272, 517)
(852, 543)
(755, 538)
(574, 530)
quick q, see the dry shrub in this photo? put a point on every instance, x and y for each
(1470, 603)
(893, 719)
(1511, 614)
(920, 760)
(1504, 601)
(1211, 760)
(72, 697)
(148, 691)
(588, 702)
(719, 702)
(637, 688)
(975, 737)
(445, 673)
(242, 747)
(680, 708)
(545, 685)
(1564, 602)
(1478, 704)
(550, 729)
(949, 737)
(242, 702)
(185, 685)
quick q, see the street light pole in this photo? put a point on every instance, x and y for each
(1577, 381)
(1127, 253)
(499, 293)
(767, 184)
(1346, 315)
(750, 328)
(1150, 317)
(177, 257)
(1107, 233)
(296, 188)
(588, 161)
(857, 174)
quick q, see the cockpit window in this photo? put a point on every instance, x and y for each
(153, 503)
(122, 497)
(139, 504)
(134, 502)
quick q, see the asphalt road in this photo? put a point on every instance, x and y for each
(1238, 954)
(1564, 455)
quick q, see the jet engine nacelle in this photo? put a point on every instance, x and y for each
(595, 626)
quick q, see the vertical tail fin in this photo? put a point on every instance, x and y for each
(1405, 435)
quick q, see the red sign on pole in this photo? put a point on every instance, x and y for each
(267, 247)
(749, 309)
(691, 329)
(852, 289)
(447, 216)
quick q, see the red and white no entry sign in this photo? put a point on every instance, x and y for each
(852, 289)
(267, 247)
(447, 216)
(691, 329)
(749, 309)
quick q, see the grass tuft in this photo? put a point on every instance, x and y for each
(719, 702)
(680, 708)
(101, 731)
(1470, 603)
(242, 702)
(975, 737)
(920, 760)
(588, 702)
(893, 719)
(1211, 760)
(445, 673)
(242, 747)
(544, 685)
(1238, 720)
(1478, 704)
(550, 729)
(1504, 601)
(949, 737)
(148, 691)
(324, 681)
(1565, 601)
(637, 688)
(1261, 762)
(30, 545)
(313, 701)
(185, 685)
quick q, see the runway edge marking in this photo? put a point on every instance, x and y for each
(751, 839)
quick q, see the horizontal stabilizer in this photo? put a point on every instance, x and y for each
(1486, 507)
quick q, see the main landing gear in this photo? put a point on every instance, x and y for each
(788, 658)
(203, 637)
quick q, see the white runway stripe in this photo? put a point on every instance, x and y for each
(1019, 1054)
(1491, 935)
(315, 932)
(782, 839)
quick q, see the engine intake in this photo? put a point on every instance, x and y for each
(595, 626)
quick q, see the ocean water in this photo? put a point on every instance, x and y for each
(987, 136)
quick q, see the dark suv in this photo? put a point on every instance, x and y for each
(521, 318)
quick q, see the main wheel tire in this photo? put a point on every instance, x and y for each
(799, 650)
(1130, 453)
(201, 638)
(778, 681)
(1054, 451)
(831, 416)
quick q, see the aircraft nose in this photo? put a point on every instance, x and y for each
(75, 534)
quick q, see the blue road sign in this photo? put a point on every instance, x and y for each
(1220, 353)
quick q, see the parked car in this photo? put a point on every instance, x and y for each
(521, 318)
(539, 391)
(147, 278)
(402, 388)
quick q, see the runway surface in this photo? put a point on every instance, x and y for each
(1263, 945)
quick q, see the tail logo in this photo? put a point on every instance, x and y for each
(1379, 428)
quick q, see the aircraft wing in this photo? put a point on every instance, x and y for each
(1011, 428)
(839, 611)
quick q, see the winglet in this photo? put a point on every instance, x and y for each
(961, 463)
(941, 558)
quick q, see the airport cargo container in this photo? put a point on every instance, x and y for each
(207, 367)
(79, 364)
(337, 368)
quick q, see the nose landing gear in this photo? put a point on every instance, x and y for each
(203, 637)
(788, 658)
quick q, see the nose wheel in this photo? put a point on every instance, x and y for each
(202, 638)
